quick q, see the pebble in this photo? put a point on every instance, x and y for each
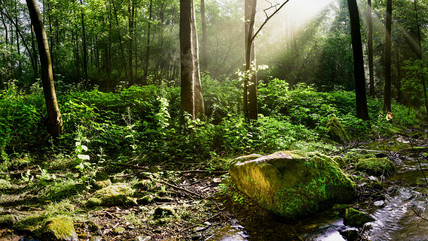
(380, 203)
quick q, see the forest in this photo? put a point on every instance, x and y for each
(213, 120)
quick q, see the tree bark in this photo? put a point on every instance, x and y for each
(149, 24)
(131, 35)
(204, 62)
(370, 47)
(420, 56)
(388, 57)
(85, 49)
(360, 85)
(54, 114)
(199, 99)
(191, 91)
(250, 80)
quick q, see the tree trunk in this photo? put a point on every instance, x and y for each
(85, 49)
(420, 55)
(199, 99)
(131, 35)
(149, 24)
(250, 81)
(191, 94)
(370, 47)
(360, 85)
(204, 62)
(388, 45)
(54, 114)
(122, 50)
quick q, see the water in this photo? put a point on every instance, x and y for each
(402, 216)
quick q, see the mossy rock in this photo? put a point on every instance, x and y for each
(376, 166)
(294, 184)
(336, 130)
(7, 220)
(117, 194)
(356, 218)
(101, 184)
(59, 228)
(164, 212)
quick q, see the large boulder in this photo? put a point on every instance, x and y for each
(292, 184)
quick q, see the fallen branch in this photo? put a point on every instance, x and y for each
(179, 188)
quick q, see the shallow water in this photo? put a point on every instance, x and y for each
(401, 217)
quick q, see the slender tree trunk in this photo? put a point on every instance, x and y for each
(187, 86)
(131, 35)
(18, 48)
(54, 114)
(204, 62)
(388, 47)
(84, 44)
(420, 54)
(149, 24)
(5, 29)
(199, 99)
(122, 50)
(360, 85)
(250, 81)
(370, 47)
(191, 91)
(34, 59)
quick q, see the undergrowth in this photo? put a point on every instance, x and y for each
(142, 123)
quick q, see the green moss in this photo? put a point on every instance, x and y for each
(356, 218)
(7, 220)
(60, 228)
(376, 166)
(117, 194)
(336, 130)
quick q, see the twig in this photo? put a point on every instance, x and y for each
(267, 19)
(419, 215)
(179, 188)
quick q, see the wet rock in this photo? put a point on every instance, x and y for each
(117, 194)
(7, 220)
(59, 228)
(379, 203)
(336, 131)
(376, 166)
(292, 184)
(164, 211)
(356, 218)
(350, 234)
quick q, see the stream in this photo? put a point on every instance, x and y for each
(401, 213)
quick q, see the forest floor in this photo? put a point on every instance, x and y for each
(166, 203)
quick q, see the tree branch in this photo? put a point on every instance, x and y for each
(267, 19)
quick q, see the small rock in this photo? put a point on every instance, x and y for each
(350, 234)
(59, 228)
(144, 200)
(200, 229)
(119, 230)
(96, 238)
(356, 218)
(7, 220)
(379, 203)
(165, 211)
(162, 199)
(143, 238)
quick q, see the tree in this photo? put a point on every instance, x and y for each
(370, 47)
(192, 101)
(360, 85)
(388, 56)
(420, 54)
(204, 62)
(85, 49)
(149, 23)
(250, 79)
(54, 114)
